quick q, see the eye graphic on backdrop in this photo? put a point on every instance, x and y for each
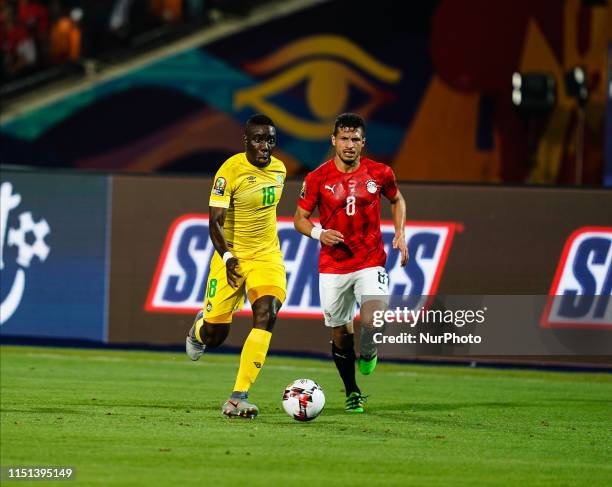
(317, 86)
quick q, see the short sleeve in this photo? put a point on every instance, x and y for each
(309, 194)
(220, 195)
(389, 186)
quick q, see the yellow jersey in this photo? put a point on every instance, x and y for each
(251, 195)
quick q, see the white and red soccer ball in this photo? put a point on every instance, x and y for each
(303, 400)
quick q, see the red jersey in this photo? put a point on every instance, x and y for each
(350, 203)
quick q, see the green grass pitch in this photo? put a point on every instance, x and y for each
(148, 418)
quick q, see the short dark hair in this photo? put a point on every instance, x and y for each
(349, 120)
(259, 119)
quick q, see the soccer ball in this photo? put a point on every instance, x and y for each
(303, 400)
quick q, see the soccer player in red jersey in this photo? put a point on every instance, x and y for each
(347, 191)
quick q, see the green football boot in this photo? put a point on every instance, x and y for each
(354, 403)
(367, 366)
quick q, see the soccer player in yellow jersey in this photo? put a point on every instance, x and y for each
(248, 259)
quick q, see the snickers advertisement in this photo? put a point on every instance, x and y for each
(532, 265)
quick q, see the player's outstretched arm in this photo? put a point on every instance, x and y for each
(398, 210)
(302, 223)
(217, 220)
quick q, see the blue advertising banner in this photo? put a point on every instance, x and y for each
(53, 255)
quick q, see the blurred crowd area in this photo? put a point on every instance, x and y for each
(41, 34)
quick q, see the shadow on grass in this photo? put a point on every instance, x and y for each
(43, 411)
(169, 407)
(87, 407)
(583, 401)
(398, 412)
(418, 407)
(406, 411)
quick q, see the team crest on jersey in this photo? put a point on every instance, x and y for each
(219, 186)
(251, 179)
(303, 190)
(371, 186)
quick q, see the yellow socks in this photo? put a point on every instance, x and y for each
(252, 358)
(198, 326)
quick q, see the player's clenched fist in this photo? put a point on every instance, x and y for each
(331, 237)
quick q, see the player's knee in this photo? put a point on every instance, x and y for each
(215, 335)
(265, 319)
(265, 311)
(368, 311)
(342, 337)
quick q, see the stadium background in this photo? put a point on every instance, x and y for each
(434, 87)
(115, 114)
(123, 283)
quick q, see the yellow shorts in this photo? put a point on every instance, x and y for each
(264, 276)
